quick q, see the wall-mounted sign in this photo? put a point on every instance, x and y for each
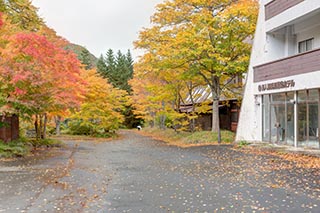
(276, 85)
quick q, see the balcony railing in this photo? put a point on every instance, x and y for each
(276, 7)
(298, 64)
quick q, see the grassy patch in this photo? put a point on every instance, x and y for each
(243, 144)
(209, 137)
(22, 147)
(45, 142)
(17, 148)
(86, 137)
(186, 139)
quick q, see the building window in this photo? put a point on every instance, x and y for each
(305, 45)
(286, 115)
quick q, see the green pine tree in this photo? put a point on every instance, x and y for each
(111, 67)
(129, 61)
(118, 69)
(121, 72)
(102, 67)
(84, 57)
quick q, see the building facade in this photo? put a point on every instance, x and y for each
(281, 98)
(229, 109)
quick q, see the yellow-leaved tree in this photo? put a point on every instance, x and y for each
(100, 112)
(157, 93)
(206, 38)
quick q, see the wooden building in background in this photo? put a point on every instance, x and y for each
(229, 110)
(9, 127)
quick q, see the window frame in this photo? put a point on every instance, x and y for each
(305, 45)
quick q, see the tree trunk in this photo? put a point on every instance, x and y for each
(40, 126)
(193, 124)
(45, 120)
(216, 119)
(36, 127)
(163, 118)
(153, 121)
(215, 116)
(193, 112)
(215, 89)
(57, 120)
(162, 122)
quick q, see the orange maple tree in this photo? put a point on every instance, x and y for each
(40, 77)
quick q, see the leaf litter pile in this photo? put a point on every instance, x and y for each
(250, 180)
(296, 174)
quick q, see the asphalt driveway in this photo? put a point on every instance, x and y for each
(138, 174)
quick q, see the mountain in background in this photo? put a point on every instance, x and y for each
(84, 55)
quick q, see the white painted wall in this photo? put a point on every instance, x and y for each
(275, 47)
(292, 14)
(249, 127)
(282, 41)
(271, 46)
(310, 33)
(290, 41)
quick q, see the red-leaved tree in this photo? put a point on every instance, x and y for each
(40, 77)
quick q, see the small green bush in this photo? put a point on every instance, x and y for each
(17, 148)
(23, 146)
(45, 142)
(76, 127)
(243, 143)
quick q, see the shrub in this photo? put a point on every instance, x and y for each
(17, 148)
(78, 127)
(243, 143)
(45, 142)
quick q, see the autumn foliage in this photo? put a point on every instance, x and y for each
(41, 80)
(195, 42)
(100, 112)
(1, 22)
(40, 75)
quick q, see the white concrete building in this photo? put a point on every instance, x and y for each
(281, 99)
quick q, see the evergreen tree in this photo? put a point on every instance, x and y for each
(84, 57)
(102, 67)
(118, 69)
(129, 61)
(122, 71)
(110, 62)
(125, 73)
(110, 67)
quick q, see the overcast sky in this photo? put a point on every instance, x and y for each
(98, 24)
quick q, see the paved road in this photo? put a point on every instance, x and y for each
(138, 174)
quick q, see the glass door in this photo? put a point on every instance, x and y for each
(278, 117)
(302, 117)
(290, 118)
(313, 111)
(266, 129)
